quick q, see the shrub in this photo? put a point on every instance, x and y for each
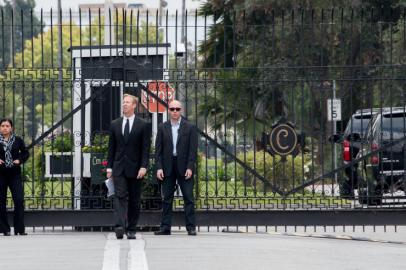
(100, 144)
(283, 174)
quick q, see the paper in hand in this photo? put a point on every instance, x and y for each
(110, 187)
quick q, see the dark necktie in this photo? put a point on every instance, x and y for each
(127, 131)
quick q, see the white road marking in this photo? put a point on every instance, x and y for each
(137, 259)
(111, 259)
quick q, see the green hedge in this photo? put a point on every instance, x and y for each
(284, 174)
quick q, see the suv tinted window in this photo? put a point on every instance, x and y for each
(394, 124)
(358, 124)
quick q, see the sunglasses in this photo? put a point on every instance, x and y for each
(175, 109)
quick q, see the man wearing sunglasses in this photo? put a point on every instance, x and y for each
(175, 157)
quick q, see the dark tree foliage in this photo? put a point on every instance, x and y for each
(25, 24)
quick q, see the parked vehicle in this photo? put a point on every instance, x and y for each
(384, 162)
(351, 143)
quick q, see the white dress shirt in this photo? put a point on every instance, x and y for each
(125, 121)
(131, 119)
(175, 131)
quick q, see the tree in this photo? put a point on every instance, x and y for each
(26, 25)
(281, 52)
(30, 84)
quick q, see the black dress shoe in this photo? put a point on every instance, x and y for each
(192, 232)
(20, 233)
(130, 235)
(162, 232)
(119, 232)
(7, 234)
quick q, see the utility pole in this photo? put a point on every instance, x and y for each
(13, 32)
(108, 30)
(60, 67)
(160, 13)
(182, 37)
(334, 132)
(162, 5)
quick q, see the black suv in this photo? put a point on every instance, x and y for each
(383, 170)
(351, 143)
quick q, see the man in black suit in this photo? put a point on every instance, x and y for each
(175, 157)
(128, 159)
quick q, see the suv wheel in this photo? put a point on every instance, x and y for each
(346, 190)
(370, 195)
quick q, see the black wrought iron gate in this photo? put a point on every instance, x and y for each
(268, 90)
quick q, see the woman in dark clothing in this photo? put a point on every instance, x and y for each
(13, 153)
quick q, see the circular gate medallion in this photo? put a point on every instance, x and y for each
(283, 139)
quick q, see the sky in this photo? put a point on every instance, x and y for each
(73, 4)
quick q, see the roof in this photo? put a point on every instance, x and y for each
(392, 110)
(159, 45)
(97, 6)
(370, 111)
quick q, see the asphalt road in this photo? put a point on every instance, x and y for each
(323, 249)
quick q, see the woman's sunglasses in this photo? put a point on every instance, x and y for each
(175, 109)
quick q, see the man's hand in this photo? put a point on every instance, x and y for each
(109, 174)
(1, 161)
(141, 173)
(16, 162)
(160, 174)
(188, 174)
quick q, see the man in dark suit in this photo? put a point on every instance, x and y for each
(175, 157)
(128, 158)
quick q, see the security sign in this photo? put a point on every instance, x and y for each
(163, 90)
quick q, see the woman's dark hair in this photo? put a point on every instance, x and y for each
(6, 120)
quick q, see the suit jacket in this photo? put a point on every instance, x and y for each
(18, 151)
(127, 158)
(186, 147)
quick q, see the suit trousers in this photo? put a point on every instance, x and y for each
(14, 182)
(127, 199)
(167, 190)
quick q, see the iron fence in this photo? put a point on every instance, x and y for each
(240, 75)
